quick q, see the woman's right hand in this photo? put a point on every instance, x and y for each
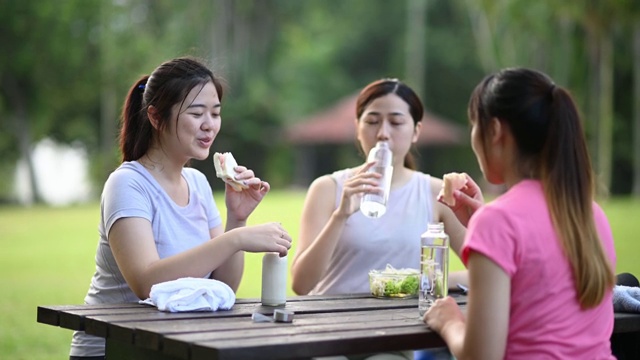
(468, 200)
(269, 237)
(360, 182)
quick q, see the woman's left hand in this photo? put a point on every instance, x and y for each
(442, 313)
(240, 204)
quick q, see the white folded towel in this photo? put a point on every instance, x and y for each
(191, 294)
(626, 298)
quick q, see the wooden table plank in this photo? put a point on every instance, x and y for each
(50, 314)
(320, 344)
(148, 334)
(71, 316)
(178, 343)
(98, 324)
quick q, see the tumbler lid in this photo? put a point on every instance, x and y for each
(282, 315)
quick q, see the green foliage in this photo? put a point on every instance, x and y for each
(71, 64)
(277, 167)
(53, 52)
(320, 60)
(48, 82)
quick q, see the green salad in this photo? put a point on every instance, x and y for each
(392, 282)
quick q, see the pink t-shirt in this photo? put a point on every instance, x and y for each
(545, 319)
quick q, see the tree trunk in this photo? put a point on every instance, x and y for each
(636, 110)
(241, 44)
(22, 131)
(24, 139)
(415, 53)
(605, 122)
(484, 39)
(592, 117)
(220, 29)
(562, 61)
(108, 101)
(108, 121)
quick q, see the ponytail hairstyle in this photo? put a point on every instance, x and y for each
(382, 87)
(168, 85)
(551, 146)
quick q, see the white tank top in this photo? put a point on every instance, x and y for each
(368, 244)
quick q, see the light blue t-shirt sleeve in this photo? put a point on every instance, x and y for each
(125, 195)
(131, 192)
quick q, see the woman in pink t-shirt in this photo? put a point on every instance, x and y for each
(541, 256)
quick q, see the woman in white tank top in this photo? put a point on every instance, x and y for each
(338, 245)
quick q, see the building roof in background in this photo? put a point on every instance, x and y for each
(336, 125)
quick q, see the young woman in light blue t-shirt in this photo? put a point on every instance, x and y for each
(159, 221)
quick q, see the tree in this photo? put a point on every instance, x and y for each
(597, 22)
(636, 110)
(286, 59)
(553, 37)
(40, 38)
(416, 45)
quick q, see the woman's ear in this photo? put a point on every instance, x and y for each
(416, 132)
(497, 130)
(154, 118)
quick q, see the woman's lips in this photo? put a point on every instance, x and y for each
(205, 142)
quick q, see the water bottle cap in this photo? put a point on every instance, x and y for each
(435, 235)
(439, 226)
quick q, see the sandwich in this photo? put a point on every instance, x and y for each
(450, 183)
(225, 164)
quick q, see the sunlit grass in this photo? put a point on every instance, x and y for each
(47, 258)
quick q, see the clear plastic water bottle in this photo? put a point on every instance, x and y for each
(375, 205)
(434, 266)
(274, 279)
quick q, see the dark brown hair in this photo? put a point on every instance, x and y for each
(168, 85)
(547, 129)
(383, 87)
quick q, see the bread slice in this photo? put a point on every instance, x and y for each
(450, 183)
(225, 164)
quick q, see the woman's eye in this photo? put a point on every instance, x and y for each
(397, 120)
(196, 114)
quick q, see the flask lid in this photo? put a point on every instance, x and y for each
(435, 235)
(282, 315)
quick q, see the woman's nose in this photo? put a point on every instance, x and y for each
(207, 124)
(383, 131)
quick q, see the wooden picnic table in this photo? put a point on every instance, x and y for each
(322, 326)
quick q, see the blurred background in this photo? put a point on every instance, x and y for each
(292, 70)
(291, 67)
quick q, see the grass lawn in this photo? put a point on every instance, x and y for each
(47, 258)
